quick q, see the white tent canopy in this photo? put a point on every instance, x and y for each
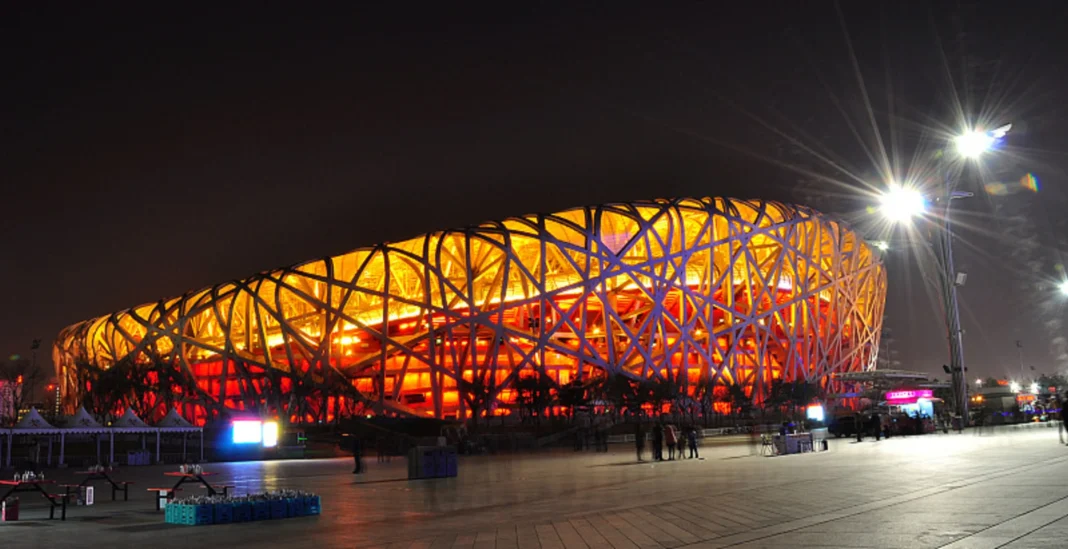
(32, 424)
(174, 421)
(130, 423)
(82, 422)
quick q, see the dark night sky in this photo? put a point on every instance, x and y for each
(147, 153)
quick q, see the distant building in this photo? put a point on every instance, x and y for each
(9, 393)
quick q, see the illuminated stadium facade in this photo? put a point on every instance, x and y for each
(705, 291)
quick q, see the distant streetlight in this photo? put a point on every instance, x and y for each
(1034, 388)
(979, 382)
(974, 143)
(1014, 387)
(900, 203)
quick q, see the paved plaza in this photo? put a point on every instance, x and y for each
(1009, 490)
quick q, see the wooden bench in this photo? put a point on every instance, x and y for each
(224, 488)
(63, 498)
(161, 493)
(123, 485)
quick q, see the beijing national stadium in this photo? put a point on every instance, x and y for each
(710, 290)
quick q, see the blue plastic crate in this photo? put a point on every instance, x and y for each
(312, 505)
(224, 513)
(295, 507)
(279, 510)
(261, 510)
(170, 513)
(190, 515)
(242, 512)
(203, 514)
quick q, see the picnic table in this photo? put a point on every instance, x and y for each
(192, 477)
(116, 485)
(165, 495)
(36, 486)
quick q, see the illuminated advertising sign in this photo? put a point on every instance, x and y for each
(256, 432)
(909, 395)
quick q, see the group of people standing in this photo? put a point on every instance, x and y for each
(667, 433)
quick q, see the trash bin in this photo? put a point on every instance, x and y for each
(9, 510)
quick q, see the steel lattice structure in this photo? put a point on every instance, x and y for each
(713, 289)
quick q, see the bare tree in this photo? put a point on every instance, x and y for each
(18, 378)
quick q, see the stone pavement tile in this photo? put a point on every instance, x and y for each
(611, 533)
(650, 528)
(733, 513)
(635, 535)
(567, 534)
(424, 543)
(443, 542)
(889, 541)
(589, 534)
(711, 522)
(1052, 535)
(697, 529)
(683, 536)
(465, 540)
(547, 537)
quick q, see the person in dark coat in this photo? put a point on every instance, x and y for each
(357, 455)
(858, 425)
(639, 439)
(691, 440)
(658, 442)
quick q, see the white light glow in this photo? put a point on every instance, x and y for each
(1014, 387)
(1034, 388)
(1063, 287)
(270, 434)
(973, 144)
(900, 203)
(247, 432)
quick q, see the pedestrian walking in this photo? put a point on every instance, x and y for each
(858, 425)
(672, 438)
(639, 438)
(691, 439)
(357, 455)
(658, 441)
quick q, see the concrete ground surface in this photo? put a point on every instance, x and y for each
(1008, 489)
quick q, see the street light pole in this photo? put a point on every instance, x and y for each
(952, 309)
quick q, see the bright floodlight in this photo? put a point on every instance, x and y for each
(974, 143)
(902, 203)
(1063, 287)
(1014, 387)
(882, 245)
(1034, 388)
